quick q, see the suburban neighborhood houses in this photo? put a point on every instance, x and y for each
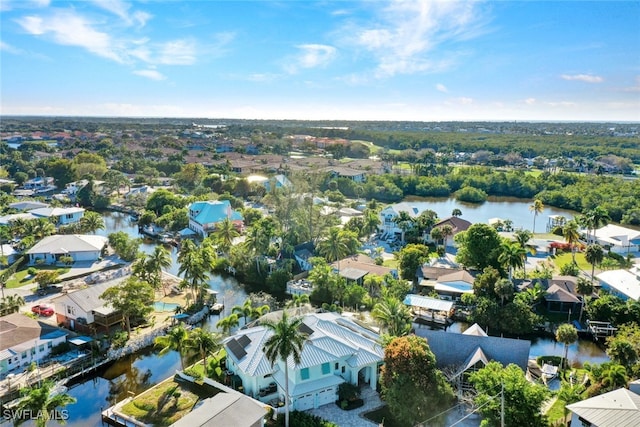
(219, 276)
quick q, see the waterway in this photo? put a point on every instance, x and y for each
(141, 371)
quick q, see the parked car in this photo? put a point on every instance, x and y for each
(51, 289)
(42, 310)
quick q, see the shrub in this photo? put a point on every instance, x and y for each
(570, 269)
(61, 348)
(194, 373)
(32, 271)
(348, 391)
(303, 419)
(471, 195)
(119, 339)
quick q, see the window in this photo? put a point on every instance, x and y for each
(343, 369)
(50, 344)
(33, 351)
(304, 373)
(69, 216)
(325, 368)
(41, 348)
(337, 366)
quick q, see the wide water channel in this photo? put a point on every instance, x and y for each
(142, 370)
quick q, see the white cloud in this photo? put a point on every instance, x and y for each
(69, 28)
(530, 101)
(178, 52)
(406, 36)
(150, 74)
(635, 88)
(311, 56)
(586, 78)
(441, 88)
(121, 9)
(561, 104)
(6, 47)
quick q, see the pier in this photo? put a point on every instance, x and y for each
(600, 329)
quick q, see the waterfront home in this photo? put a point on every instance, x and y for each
(561, 295)
(24, 340)
(204, 215)
(27, 205)
(390, 213)
(622, 283)
(618, 239)
(354, 268)
(347, 172)
(80, 247)
(337, 350)
(83, 309)
(457, 225)
(462, 354)
(59, 216)
(39, 184)
(451, 285)
(617, 408)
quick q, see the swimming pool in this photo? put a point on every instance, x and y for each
(164, 306)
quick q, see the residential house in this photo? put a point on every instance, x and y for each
(451, 285)
(561, 295)
(83, 309)
(355, 267)
(28, 205)
(617, 408)
(457, 225)
(622, 283)
(204, 215)
(347, 172)
(279, 181)
(39, 184)
(60, 216)
(24, 340)
(462, 354)
(618, 239)
(7, 219)
(391, 212)
(337, 350)
(80, 247)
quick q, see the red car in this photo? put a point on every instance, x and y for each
(42, 310)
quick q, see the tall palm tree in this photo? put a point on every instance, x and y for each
(512, 256)
(91, 222)
(447, 231)
(594, 254)
(44, 401)
(570, 393)
(204, 342)
(226, 324)
(566, 334)
(437, 235)
(192, 267)
(224, 234)
(572, 236)
(456, 212)
(537, 207)
(614, 376)
(174, 340)
(594, 219)
(404, 222)
(504, 289)
(159, 259)
(245, 310)
(584, 288)
(11, 304)
(393, 316)
(286, 341)
(522, 237)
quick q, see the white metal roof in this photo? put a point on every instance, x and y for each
(618, 408)
(428, 303)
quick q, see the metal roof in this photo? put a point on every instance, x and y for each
(618, 408)
(428, 303)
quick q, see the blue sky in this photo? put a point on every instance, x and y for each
(369, 60)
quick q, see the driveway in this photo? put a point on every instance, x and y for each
(353, 418)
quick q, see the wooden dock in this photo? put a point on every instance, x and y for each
(600, 329)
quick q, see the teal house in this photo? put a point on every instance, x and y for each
(204, 215)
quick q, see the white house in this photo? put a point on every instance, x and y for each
(338, 350)
(24, 340)
(618, 239)
(79, 309)
(39, 183)
(61, 216)
(80, 247)
(623, 283)
(617, 408)
(389, 214)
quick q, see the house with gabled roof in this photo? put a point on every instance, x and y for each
(24, 340)
(617, 408)
(354, 268)
(620, 240)
(391, 212)
(60, 216)
(337, 350)
(204, 215)
(80, 247)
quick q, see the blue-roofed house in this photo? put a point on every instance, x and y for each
(204, 215)
(279, 181)
(338, 350)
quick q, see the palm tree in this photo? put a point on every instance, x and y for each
(43, 400)
(584, 288)
(174, 340)
(594, 219)
(224, 234)
(504, 289)
(334, 247)
(404, 222)
(447, 231)
(159, 259)
(572, 236)
(522, 238)
(570, 393)
(257, 242)
(11, 304)
(226, 324)
(513, 256)
(594, 254)
(614, 376)
(566, 334)
(393, 316)
(245, 310)
(456, 212)
(192, 266)
(437, 235)
(286, 341)
(537, 207)
(204, 342)
(91, 222)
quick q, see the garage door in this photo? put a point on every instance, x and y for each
(305, 402)
(327, 396)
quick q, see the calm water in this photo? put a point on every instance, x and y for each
(517, 210)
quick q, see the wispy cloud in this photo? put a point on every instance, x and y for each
(530, 101)
(406, 35)
(441, 88)
(311, 56)
(635, 88)
(177, 52)
(72, 29)
(6, 47)
(151, 74)
(586, 78)
(121, 9)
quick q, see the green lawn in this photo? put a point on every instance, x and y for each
(20, 278)
(565, 258)
(556, 412)
(391, 263)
